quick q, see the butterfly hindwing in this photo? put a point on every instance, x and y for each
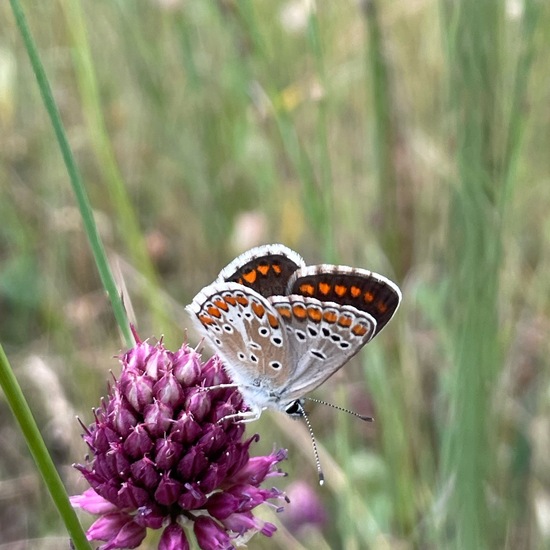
(322, 336)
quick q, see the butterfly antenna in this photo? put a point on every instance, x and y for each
(314, 444)
(353, 413)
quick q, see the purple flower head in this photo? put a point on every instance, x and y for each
(161, 459)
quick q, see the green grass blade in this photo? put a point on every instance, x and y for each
(74, 175)
(40, 454)
(125, 215)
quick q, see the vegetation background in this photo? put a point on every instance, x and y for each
(407, 137)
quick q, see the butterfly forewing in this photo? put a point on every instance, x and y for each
(322, 337)
(362, 289)
(246, 331)
(266, 269)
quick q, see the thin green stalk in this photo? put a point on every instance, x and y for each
(395, 242)
(316, 198)
(40, 454)
(125, 214)
(488, 136)
(323, 150)
(76, 181)
(386, 135)
(523, 66)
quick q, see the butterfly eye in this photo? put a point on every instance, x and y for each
(295, 409)
(275, 365)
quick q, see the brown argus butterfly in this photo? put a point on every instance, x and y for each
(282, 328)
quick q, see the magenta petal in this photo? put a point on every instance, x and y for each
(168, 491)
(241, 523)
(173, 538)
(150, 516)
(192, 464)
(145, 473)
(138, 442)
(130, 536)
(93, 503)
(259, 467)
(168, 390)
(132, 496)
(211, 535)
(107, 526)
(222, 504)
(187, 366)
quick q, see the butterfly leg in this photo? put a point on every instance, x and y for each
(243, 417)
(218, 387)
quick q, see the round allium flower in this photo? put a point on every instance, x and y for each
(163, 458)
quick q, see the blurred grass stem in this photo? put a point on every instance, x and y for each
(74, 175)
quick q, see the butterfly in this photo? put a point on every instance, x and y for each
(282, 328)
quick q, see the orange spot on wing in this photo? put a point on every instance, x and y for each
(340, 289)
(277, 268)
(355, 291)
(263, 269)
(344, 321)
(231, 300)
(324, 288)
(369, 296)
(315, 314)
(299, 311)
(284, 311)
(307, 289)
(214, 311)
(330, 317)
(274, 323)
(359, 330)
(205, 320)
(218, 302)
(381, 307)
(258, 309)
(250, 276)
(242, 300)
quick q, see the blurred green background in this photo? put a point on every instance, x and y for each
(409, 138)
